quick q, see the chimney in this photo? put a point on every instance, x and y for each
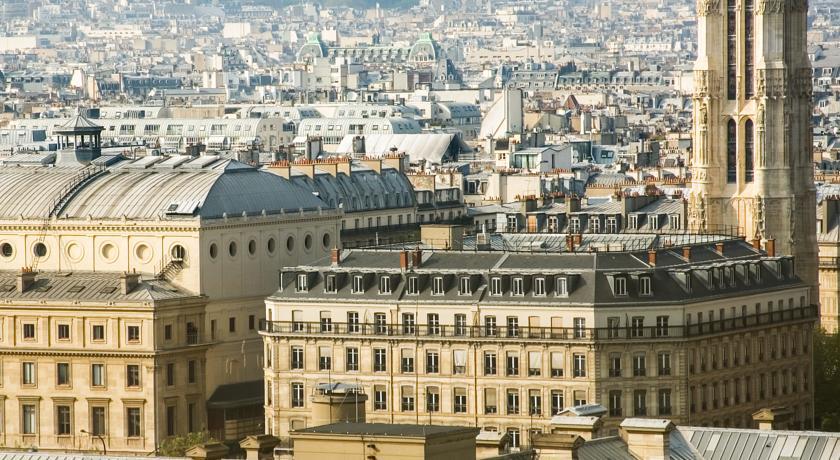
(756, 243)
(584, 426)
(395, 160)
(372, 163)
(719, 247)
(329, 166)
(306, 167)
(652, 257)
(687, 253)
(281, 168)
(573, 204)
(416, 257)
(335, 256)
(403, 260)
(772, 418)
(343, 165)
(647, 438)
(128, 282)
(556, 446)
(578, 238)
(258, 446)
(770, 247)
(25, 279)
(207, 451)
(359, 145)
(570, 243)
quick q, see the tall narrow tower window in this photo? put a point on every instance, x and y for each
(731, 50)
(749, 151)
(749, 22)
(731, 152)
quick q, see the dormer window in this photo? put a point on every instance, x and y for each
(384, 285)
(413, 286)
(595, 224)
(539, 286)
(496, 286)
(645, 286)
(330, 284)
(464, 287)
(437, 285)
(358, 284)
(633, 222)
(574, 225)
(757, 268)
(653, 221)
(562, 286)
(674, 221)
(612, 225)
(518, 286)
(731, 276)
(302, 283)
(620, 285)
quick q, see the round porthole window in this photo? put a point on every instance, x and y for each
(214, 250)
(307, 242)
(6, 250)
(290, 243)
(232, 249)
(326, 240)
(74, 252)
(178, 253)
(143, 252)
(109, 252)
(252, 247)
(40, 250)
(271, 245)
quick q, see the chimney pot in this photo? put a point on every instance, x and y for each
(25, 279)
(416, 257)
(719, 247)
(770, 247)
(652, 257)
(335, 256)
(687, 253)
(129, 282)
(756, 243)
(403, 260)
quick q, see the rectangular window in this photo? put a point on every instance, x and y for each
(490, 402)
(191, 371)
(251, 322)
(613, 324)
(380, 360)
(384, 285)
(297, 394)
(29, 376)
(579, 328)
(408, 323)
(534, 402)
(464, 286)
(433, 323)
(615, 403)
(97, 421)
(539, 286)
(132, 375)
(324, 358)
(579, 360)
(133, 334)
(645, 286)
(639, 365)
(170, 421)
(407, 360)
(637, 328)
(562, 286)
(29, 331)
(496, 286)
(665, 402)
(63, 420)
(661, 326)
(62, 374)
(615, 364)
(432, 362)
(380, 398)
(534, 363)
(97, 375)
(213, 328)
(460, 324)
(413, 285)
(518, 286)
(297, 358)
(170, 374)
(489, 363)
(232, 324)
(620, 285)
(380, 323)
(407, 398)
(512, 363)
(352, 363)
(330, 285)
(512, 402)
(459, 362)
(512, 326)
(63, 332)
(557, 364)
(326, 321)
(664, 359)
(133, 423)
(30, 419)
(358, 284)
(353, 322)
(490, 326)
(302, 282)
(98, 332)
(639, 403)
(432, 399)
(557, 402)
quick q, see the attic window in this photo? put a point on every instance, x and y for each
(620, 285)
(384, 285)
(496, 286)
(437, 285)
(302, 283)
(7, 288)
(465, 286)
(330, 284)
(562, 286)
(539, 286)
(518, 286)
(358, 284)
(108, 290)
(645, 286)
(76, 289)
(43, 288)
(412, 285)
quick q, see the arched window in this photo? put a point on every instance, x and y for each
(731, 50)
(749, 22)
(731, 152)
(749, 151)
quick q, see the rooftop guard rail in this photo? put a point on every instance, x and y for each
(503, 332)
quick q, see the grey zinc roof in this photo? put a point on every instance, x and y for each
(148, 188)
(87, 286)
(727, 443)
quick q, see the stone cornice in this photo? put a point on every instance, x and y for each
(52, 352)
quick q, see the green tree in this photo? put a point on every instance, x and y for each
(827, 380)
(177, 446)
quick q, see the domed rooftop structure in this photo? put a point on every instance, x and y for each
(313, 48)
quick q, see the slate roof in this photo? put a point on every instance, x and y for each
(87, 286)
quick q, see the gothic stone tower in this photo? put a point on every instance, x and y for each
(752, 162)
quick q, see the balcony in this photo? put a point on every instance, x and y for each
(615, 372)
(500, 333)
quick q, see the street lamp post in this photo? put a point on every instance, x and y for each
(104, 449)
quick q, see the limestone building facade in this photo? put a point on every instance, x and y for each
(751, 163)
(704, 334)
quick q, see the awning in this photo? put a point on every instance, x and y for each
(235, 395)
